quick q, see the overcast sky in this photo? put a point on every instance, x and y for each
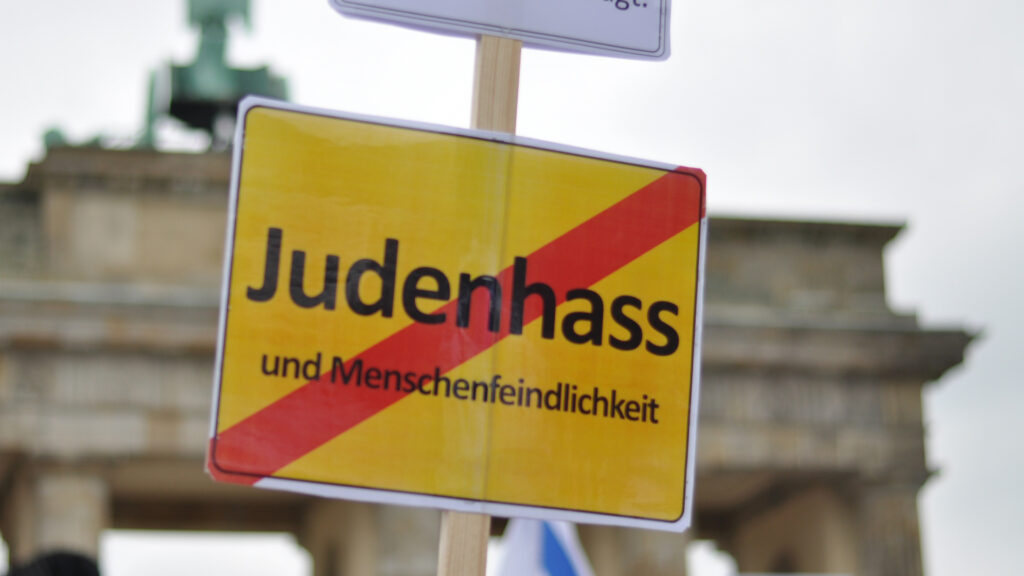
(897, 111)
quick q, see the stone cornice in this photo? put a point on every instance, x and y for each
(831, 348)
(130, 170)
(83, 315)
(754, 229)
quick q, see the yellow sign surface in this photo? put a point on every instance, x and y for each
(458, 319)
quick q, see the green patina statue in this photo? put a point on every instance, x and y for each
(205, 93)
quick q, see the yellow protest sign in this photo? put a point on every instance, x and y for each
(459, 319)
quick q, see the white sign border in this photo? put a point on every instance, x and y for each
(434, 23)
(383, 496)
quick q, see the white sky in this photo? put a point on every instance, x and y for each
(907, 110)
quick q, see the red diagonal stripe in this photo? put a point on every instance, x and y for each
(308, 417)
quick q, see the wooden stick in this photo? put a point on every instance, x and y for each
(463, 548)
(496, 84)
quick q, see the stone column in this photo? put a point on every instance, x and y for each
(17, 517)
(797, 527)
(623, 552)
(655, 553)
(67, 511)
(604, 548)
(340, 537)
(74, 509)
(407, 541)
(890, 538)
(359, 539)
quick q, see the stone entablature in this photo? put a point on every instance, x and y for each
(815, 270)
(132, 216)
(110, 271)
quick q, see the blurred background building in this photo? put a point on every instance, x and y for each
(811, 441)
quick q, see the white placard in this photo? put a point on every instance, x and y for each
(625, 28)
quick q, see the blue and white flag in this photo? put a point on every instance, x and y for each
(542, 548)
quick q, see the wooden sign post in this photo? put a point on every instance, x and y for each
(463, 546)
(496, 84)
(367, 381)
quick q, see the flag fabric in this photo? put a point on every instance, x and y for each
(542, 548)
